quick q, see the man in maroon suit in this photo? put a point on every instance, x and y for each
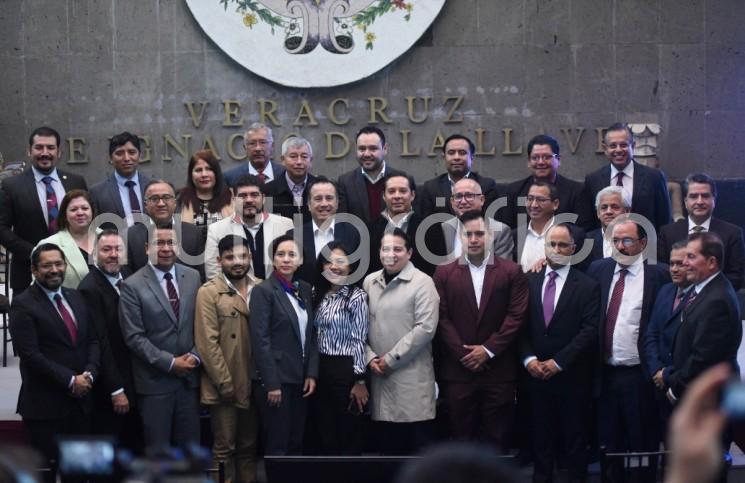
(483, 300)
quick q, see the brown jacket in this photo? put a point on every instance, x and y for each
(223, 340)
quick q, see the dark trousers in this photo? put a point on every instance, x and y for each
(283, 426)
(479, 410)
(338, 419)
(170, 419)
(559, 414)
(44, 434)
(127, 428)
(403, 439)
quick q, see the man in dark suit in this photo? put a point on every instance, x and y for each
(289, 193)
(361, 190)
(160, 205)
(30, 202)
(610, 202)
(543, 162)
(647, 187)
(458, 157)
(259, 143)
(122, 193)
(323, 228)
(115, 409)
(628, 288)
(700, 200)
(483, 300)
(663, 327)
(557, 349)
(156, 315)
(710, 325)
(54, 336)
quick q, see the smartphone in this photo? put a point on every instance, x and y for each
(82, 456)
(733, 400)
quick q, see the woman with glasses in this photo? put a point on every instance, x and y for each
(285, 350)
(206, 197)
(341, 323)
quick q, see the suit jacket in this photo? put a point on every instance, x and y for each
(274, 227)
(232, 175)
(596, 236)
(731, 235)
(343, 232)
(22, 222)
(650, 198)
(190, 239)
(77, 265)
(152, 331)
(439, 187)
(495, 323)
(663, 327)
(503, 245)
(116, 365)
(710, 332)
(283, 203)
(655, 276)
(571, 200)
(353, 192)
(279, 357)
(571, 337)
(49, 359)
(431, 239)
(105, 195)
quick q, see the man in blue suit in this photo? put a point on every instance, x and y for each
(259, 143)
(664, 323)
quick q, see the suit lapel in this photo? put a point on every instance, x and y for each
(361, 193)
(114, 194)
(567, 294)
(640, 187)
(34, 201)
(284, 301)
(490, 275)
(59, 324)
(152, 281)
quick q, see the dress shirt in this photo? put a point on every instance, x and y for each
(342, 324)
(452, 181)
(628, 179)
(124, 194)
(321, 238)
(268, 171)
(232, 287)
(692, 225)
(112, 279)
(561, 277)
(399, 221)
(477, 277)
(626, 333)
(457, 244)
(534, 248)
(700, 286)
(378, 177)
(41, 189)
(607, 245)
(297, 198)
(302, 319)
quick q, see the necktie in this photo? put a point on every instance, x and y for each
(549, 295)
(697, 229)
(134, 202)
(612, 314)
(619, 178)
(690, 299)
(67, 319)
(297, 194)
(52, 208)
(250, 238)
(678, 298)
(119, 284)
(172, 295)
(261, 176)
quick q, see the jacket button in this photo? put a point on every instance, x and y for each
(398, 358)
(232, 335)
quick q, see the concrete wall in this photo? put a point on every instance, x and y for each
(92, 68)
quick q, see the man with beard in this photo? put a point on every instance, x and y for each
(223, 339)
(259, 143)
(250, 221)
(114, 396)
(30, 203)
(54, 336)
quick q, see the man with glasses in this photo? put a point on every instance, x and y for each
(628, 289)
(250, 221)
(700, 200)
(543, 162)
(458, 158)
(160, 205)
(259, 143)
(542, 203)
(646, 187)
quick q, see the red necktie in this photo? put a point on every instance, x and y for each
(134, 202)
(678, 298)
(612, 314)
(172, 295)
(261, 176)
(67, 318)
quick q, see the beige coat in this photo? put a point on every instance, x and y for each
(403, 320)
(77, 266)
(222, 338)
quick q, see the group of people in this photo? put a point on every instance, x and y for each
(293, 306)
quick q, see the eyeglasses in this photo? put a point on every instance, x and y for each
(466, 196)
(560, 245)
(163, 243)
(537, 199)
(155, 199)
(542, 157)
(627, 242)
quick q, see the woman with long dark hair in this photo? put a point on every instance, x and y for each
(206, 197)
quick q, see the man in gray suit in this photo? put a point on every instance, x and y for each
(122, 192)
(259, 143)
(156, 313)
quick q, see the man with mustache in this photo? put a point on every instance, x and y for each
(259, 143)
(30, 203)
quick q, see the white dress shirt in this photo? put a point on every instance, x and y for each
(561, 277)
(628, 179)
(321, 238)
(41, 189)
(692, 225)
(607, 245)
(477, 277)
(302, 319)
(268, 171)
(378, 177)
(124, 194)
(534, 248)
(626, 333)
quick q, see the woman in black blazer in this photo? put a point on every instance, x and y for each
(285, 350)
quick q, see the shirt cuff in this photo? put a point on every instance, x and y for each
(117, 392)
(670, 395)
(199, 361)
(488, 352)
(72, 381)
(173, 361)
(528, 360)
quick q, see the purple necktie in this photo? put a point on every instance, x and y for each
(134, 202)
(549, 295)
(172, 294)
